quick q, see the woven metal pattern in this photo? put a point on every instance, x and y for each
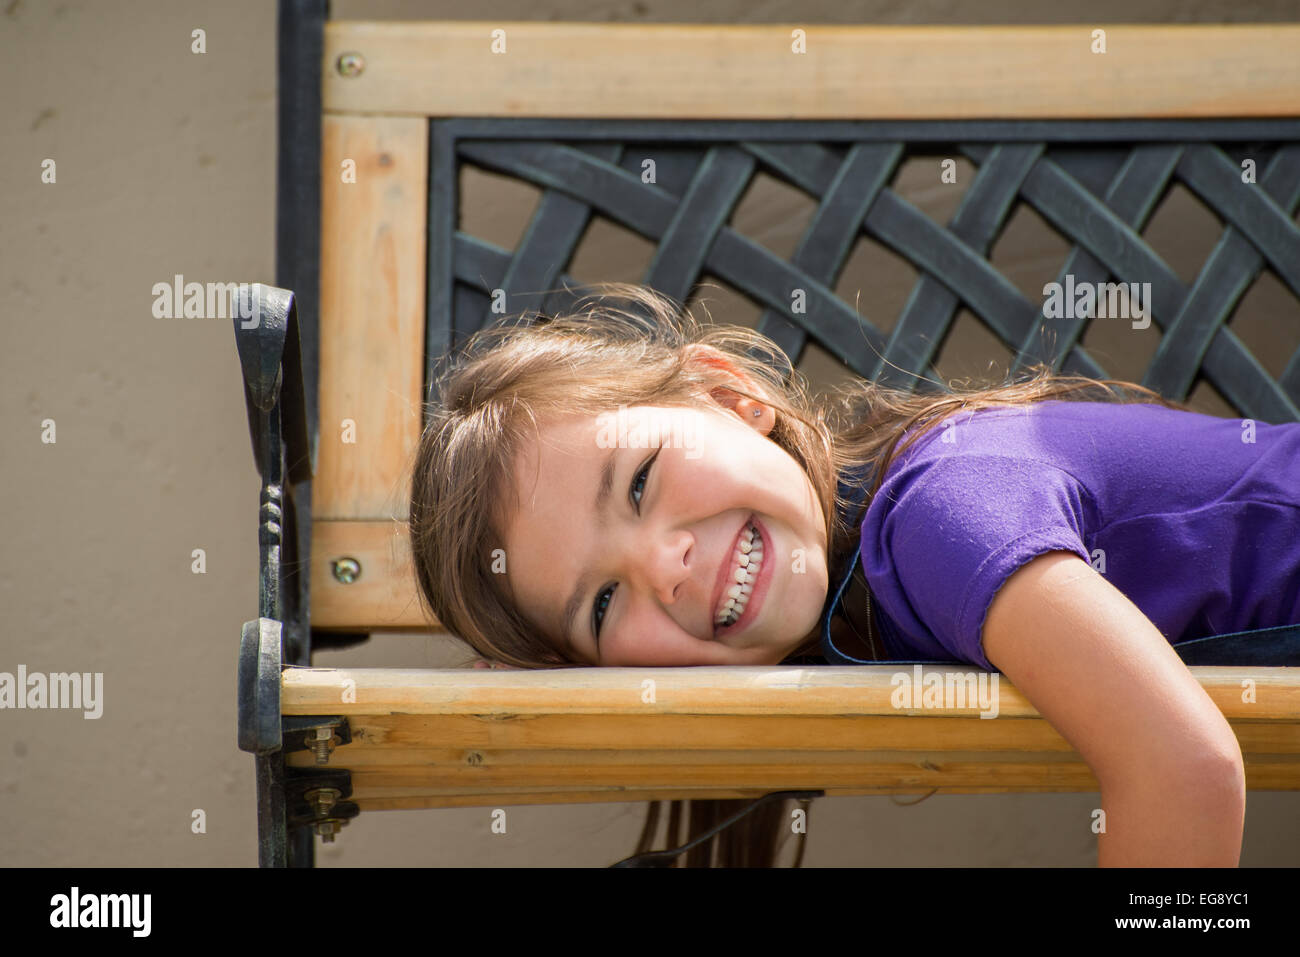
(1096, 183)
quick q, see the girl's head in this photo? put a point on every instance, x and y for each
(597, 470)
(684, 435)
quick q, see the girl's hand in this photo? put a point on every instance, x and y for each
(495, 665)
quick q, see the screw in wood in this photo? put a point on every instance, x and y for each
(347, 570)
(351, 64)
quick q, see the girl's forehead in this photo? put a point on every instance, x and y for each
(554, 447)
(568, 429)
(621, 418)
(560, 438)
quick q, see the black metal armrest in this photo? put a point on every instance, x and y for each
(270, 356)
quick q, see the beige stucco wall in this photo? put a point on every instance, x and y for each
(165, 165)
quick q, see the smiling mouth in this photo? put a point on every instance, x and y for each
(744, 565)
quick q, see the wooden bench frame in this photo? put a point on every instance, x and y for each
(373, 270)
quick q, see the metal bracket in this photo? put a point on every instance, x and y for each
(336, 640)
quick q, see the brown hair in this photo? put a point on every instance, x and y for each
(489, 399)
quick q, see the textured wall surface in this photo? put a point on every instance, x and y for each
(166, 165)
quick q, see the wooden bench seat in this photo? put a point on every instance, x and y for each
(376, 121)
(447, 738)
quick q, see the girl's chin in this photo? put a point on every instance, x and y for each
(755, 650)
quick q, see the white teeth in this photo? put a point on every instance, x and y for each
(749, 558)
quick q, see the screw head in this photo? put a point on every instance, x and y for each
(350, 64)
(347, 570)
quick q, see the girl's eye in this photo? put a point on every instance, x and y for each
(598, 610)
(641, 478)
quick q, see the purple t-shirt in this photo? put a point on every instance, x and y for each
(1198, 525)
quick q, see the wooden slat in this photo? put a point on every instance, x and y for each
(485, 734)
(501, 773)
(450, 740)
(773, 770)
(371, 314)
(1261, 775)
(457, 738)
(976, 775)
(972, 769)
(727, 71)
(980, 777)
(725, 691)
(398, 799)
(384, 597)
(864, 776)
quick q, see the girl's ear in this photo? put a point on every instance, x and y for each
(698, 353)
(757, 415)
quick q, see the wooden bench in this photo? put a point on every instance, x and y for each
(375, 282)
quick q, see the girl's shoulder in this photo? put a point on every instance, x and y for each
(1062, 419)
(953, 520)
(1098, 442)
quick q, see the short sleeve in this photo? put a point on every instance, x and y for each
(953, 528)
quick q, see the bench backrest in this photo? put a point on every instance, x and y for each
(662, 129)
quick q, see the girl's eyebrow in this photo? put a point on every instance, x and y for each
(603, 491)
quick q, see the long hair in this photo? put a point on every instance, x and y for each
(629, 348)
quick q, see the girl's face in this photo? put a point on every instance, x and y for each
(630, 522)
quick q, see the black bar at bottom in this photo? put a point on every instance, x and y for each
(272, 844)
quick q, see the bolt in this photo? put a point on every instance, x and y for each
(351, 64)
(327, 830)
(321, 741)
(347, 570)
(323, 798)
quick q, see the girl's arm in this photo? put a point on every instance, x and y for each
(1170, 768)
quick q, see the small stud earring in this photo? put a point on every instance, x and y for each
(757, 413)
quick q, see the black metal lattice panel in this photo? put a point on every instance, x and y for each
(1096, 183)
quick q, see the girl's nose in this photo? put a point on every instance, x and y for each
(665, 566)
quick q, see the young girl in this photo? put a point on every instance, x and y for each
(664, 493)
